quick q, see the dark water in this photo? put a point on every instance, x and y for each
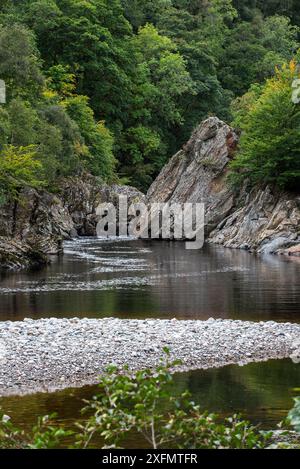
(263, 393)
(136, 279)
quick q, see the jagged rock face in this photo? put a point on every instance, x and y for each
(261, 219)
(37, 219)
(81, 199)
(17, 255)
(198, 172)
(35, 226)
(268, 221)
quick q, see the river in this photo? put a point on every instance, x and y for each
(142, 279)
(138, 279)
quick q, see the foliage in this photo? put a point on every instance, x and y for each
(294, 415)
(270, 142)
(44, 435)
(253, 49)
(289, 8)
(161, 78)
(40, 112)
(97, 138)
(18, 166)
(143, 403)
(19, 62)
(133, 78)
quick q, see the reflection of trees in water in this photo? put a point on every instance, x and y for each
(227, 283)
(213, 282)
(259, 390)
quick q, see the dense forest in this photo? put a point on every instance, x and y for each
(114, 87)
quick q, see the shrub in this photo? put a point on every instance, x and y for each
(269, 149)
(18, 167)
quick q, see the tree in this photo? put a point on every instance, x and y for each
(36, 112)
(141, 12)
(19, 62)
(253, 49)
(161, 78)
(18, 167)
(199, 29)
(23, 120)
(248, 9)
(95, 36)
(97, 138)
(270, 143)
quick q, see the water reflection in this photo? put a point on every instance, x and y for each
(262, 392)
(137, 279)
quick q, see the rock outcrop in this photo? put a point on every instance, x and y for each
(261, 219)
(34, 227)
(82, 197)
(17, 255)
(197, 173)
(264, 220)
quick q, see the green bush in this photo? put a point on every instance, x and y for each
(18, 167)
(294, 415)
(269, 149)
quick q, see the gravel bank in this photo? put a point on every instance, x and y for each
(50, 354)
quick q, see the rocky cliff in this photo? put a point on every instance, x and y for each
(34, 227)
(261, 219)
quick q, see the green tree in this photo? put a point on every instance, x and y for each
(270, 143)
(19, 166)
(19, 62)
(97, 137)
(161, 78)
(23, 121)
(141, 12)
(253, 49)
(199, 29)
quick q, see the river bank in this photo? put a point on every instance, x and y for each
(51, 354)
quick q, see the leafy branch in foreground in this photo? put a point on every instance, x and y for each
(294, 415)
(143, 405)
(44, 435)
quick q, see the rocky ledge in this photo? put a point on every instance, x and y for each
(34, 227)
(17, 255)
(261, 219)
(50, 354)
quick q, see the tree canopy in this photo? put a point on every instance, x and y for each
(114, 87)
